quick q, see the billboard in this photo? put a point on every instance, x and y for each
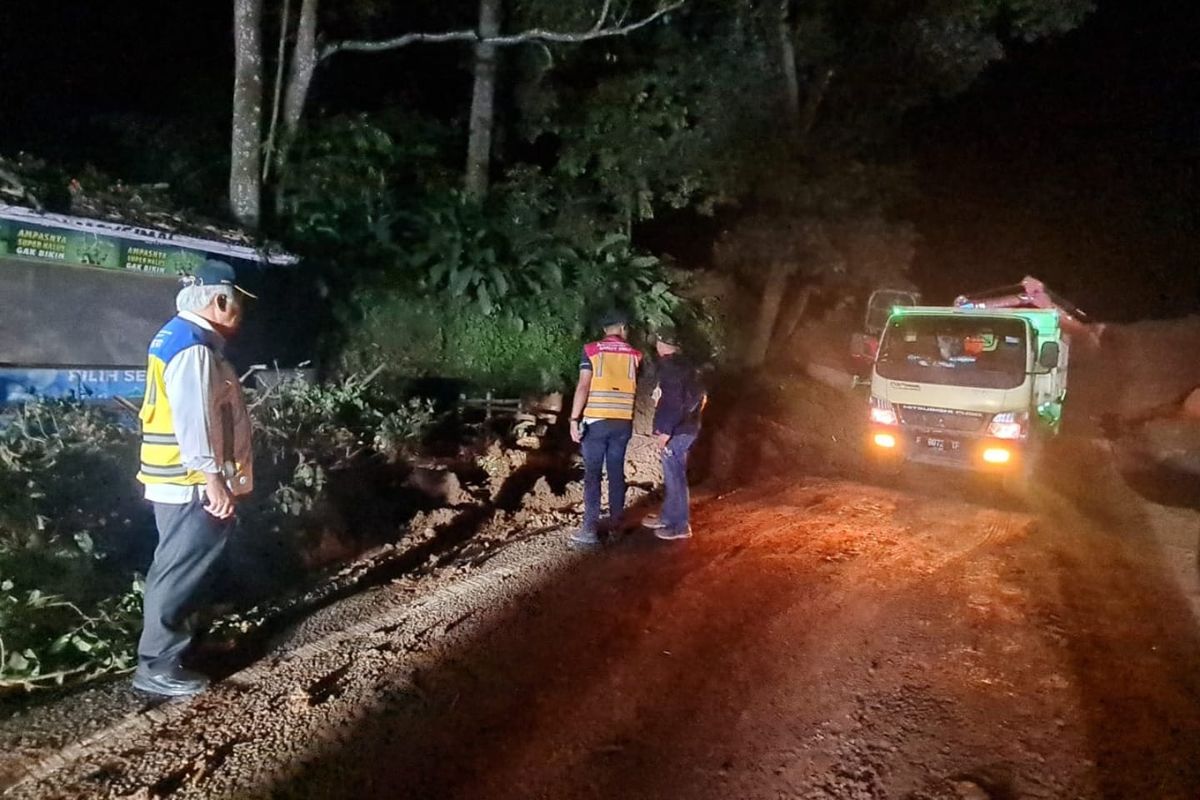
(80, 300)
(21, 384)
(80, 242)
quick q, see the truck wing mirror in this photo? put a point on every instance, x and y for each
(1048, 355)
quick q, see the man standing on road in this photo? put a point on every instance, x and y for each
(602, 422)
(679, 402)
(196, 460)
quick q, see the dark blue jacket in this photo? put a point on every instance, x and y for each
(680, 397)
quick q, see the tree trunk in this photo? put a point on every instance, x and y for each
(787, 55)
(483, 103)
(245, 173)
(812, 104)
(768, 312)
(789, 320)
(300, 75)
(285, 22)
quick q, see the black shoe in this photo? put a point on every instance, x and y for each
(171, 682)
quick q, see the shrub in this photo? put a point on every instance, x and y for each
(427, 336)
(72, 516)
(303, 431)
(67, 480)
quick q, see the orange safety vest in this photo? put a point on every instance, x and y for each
(614, 364)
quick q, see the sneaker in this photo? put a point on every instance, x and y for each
(583, 539)
(680, 533)
(171, 682)
(653, 522)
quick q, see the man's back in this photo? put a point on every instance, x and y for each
(613, 363)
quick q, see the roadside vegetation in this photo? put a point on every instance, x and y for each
(75, 534)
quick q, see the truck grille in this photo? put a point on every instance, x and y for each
(944, 419)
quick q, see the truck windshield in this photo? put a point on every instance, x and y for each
(954, 350)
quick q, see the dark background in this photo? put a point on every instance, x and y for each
(1074, 160)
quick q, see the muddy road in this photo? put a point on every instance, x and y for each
(818, 638)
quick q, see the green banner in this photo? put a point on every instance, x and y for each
(93, 249)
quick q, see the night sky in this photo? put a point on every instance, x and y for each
(1075, 160)
(64, 63)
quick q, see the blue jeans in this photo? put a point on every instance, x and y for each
(675, 485)
(604, 443)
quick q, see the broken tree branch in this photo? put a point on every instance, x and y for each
(18, 190)
(532, 35)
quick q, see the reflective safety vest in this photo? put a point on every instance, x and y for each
(161, 461)
(614, 366)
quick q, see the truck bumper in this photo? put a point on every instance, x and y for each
(898, 444)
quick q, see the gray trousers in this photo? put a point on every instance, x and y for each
(180, 581)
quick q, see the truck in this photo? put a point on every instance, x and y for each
(978, 385)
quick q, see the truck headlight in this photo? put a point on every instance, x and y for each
(885, 440)
(882, 412)
(1009, 425)
(997, 455)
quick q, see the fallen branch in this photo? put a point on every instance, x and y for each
(18, 189)
(538, 35)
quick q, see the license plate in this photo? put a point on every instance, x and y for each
(942, 445)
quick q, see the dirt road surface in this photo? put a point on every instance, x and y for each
(818, 639)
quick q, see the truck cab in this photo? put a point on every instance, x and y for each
(972, 388)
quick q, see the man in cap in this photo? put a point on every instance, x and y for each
(679, 400)
(196, 461)
(602, 422)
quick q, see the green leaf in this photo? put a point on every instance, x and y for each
(612, 240)
(460, 280)
(438, 271)
(485, 300)
(454, 253)
(499, 281)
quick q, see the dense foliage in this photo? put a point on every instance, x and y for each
(769, 128)
(75, 534)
